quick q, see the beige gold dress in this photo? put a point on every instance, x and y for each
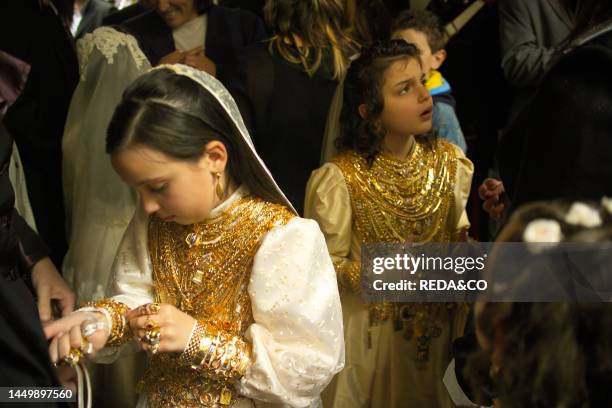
(393, 359)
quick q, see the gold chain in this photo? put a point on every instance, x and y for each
(402, 200)
(204, 270)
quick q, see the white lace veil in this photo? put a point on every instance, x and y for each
(98, 204)
(226, 101)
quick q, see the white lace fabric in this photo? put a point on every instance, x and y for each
(98, 204)
(107, 40)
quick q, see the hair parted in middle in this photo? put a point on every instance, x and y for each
(363, 85)
(176, 116)
(320, 25)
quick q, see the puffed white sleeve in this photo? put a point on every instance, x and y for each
(297, 337)
(131, 281)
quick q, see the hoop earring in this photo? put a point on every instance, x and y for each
(219, 190)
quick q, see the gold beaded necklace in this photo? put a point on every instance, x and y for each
(203, 268)
(402, 200)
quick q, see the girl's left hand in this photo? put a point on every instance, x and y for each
(174, 326)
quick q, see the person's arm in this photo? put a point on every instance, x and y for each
(297, 338)
(524, 61)
(32, 249)
(328, 202)
(48, 284)
(131, 285)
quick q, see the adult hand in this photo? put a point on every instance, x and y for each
(174, 327)
(196, 59)
(74, 331)
(49, 285)
(495, 199)
(175, 57)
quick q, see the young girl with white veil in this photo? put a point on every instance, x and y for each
(233, 296)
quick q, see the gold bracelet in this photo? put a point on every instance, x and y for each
(349, 274)
(193, 346)
(120, 332)
(222, 355)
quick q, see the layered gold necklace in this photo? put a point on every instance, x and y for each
(204, 269)
(402, 200)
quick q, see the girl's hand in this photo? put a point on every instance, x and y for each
(174, 327)
(495, 199)
(86, 332)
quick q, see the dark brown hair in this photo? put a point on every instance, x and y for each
(369, 20)
(547, 354)
(424, 22)
(173, 114)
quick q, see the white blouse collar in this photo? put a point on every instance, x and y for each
(236, 195)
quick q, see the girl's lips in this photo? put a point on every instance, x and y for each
(169, 218)
(426, 115)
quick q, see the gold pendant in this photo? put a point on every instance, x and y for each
(197, 278)
(192, 239)
(226, 396)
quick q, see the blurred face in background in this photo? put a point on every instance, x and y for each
(175, 12)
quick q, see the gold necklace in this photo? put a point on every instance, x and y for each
(204, 270)
(399, 201)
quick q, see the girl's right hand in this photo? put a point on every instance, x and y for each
(67, 334)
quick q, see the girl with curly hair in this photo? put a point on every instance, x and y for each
(393, 182)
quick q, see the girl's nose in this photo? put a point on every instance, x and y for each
(149, 205)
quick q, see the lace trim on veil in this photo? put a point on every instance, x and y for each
(107, 40)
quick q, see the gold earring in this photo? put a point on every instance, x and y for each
(219, 189)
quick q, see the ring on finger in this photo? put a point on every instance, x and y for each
(86, 347)
(152, 335)
(152, 308)
(73, 357)
(90, 326)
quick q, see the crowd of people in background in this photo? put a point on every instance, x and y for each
(153, 148)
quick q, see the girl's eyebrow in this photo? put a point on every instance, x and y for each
(153, 180)
(406, 81)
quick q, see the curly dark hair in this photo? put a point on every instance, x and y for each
(546, 354)
(363, 85)
(424, 22)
